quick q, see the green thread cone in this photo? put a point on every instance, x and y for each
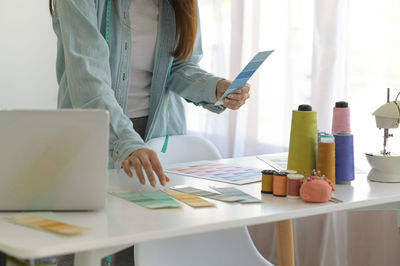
(303, 142)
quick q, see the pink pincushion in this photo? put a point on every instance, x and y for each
(316, 189)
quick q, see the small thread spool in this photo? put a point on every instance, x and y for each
(294, 182)
(280, 184)
(267, 181)
(290, 171)
(341, 118)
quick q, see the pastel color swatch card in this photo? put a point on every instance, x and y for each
(189, 199)
(53, 226)
(234, 192)
(150, 200)
(207, 194)
(277, 161)
(221, 172)
(245, 74)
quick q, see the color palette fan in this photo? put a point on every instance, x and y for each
(150, 199)
(53, 226)
(245, 74)
(207, 194)
(217, 172)
(189, 199)
(234, 192)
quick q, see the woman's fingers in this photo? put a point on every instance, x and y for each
(157, 167)
(233, 104)
(136, 164)
(239, 95)
(235, 100)
(127, 167)
(148, 160)
(149, 170)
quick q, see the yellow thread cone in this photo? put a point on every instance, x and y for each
(326, 160)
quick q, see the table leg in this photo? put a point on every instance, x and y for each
(94, 257)
(398, 219)
(3, 259)
(284, 231)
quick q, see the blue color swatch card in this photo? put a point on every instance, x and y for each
(234, 192)
(245, 74)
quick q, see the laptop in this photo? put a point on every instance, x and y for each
(53, 160)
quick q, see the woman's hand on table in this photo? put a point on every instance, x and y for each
(148, 160)
(234, 100)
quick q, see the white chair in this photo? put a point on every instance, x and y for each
(184, 148)
(221, 248)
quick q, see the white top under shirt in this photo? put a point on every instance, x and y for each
(144, 22)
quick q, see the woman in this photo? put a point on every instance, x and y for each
(136, 59)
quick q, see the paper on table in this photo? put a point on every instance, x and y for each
(245, 74)
(277, 161)
(48, 225)
(215, 171)
(234, 192)
(150, 199)
(189, 199)
(207, 194)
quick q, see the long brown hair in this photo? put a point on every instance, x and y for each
(186, 25)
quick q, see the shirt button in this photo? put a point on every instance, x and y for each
(126, 46)
(123, 76)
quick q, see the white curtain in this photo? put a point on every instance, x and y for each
(325, 51)
(329, 68)
(233, 31)
(27, 56)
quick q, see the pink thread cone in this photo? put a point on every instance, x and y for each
(341, 119)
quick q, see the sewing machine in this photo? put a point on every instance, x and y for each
(386, 165)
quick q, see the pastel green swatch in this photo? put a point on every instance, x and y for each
(150, 200)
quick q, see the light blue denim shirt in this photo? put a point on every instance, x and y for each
(92, 74)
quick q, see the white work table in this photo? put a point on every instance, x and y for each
(123, 223)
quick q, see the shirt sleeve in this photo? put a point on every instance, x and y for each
(88, 75)
(193, 83)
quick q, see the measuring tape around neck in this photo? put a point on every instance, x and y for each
(108, 14)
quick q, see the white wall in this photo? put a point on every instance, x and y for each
(27, 55)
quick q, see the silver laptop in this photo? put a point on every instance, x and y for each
(53, 159)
